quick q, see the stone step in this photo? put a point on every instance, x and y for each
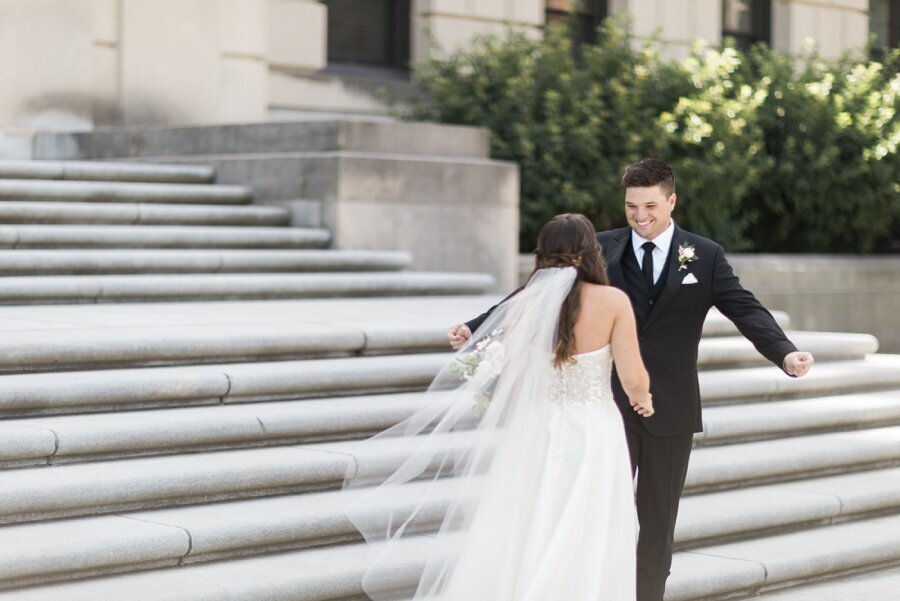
(207, 532)
(124, 389)
(748, 567)
(204, 286)
(113, 172)
(115, 191)
(30, 494)
(760, 421)
(42, 336)
(877, 585)
(86, 213)
(159, 236)
(254, 138)
(132, 261)
(334, 573)
(40, 441)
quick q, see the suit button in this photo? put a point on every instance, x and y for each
(651, 302)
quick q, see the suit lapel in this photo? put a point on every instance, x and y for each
(673, 277)
(614, 258)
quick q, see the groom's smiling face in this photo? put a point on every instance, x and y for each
(648, 210)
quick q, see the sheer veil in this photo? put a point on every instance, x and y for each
(462, 471)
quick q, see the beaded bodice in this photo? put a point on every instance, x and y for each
(585, 382)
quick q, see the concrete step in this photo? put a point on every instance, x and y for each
(254, 138)
(201, 533)
(334, 573)
(204, 286)
(113, 172)
(123, 389)
(85, 213)
(760, 421)
(24, 189)
(56, 336)
(131, 261)
(54, 346)
(159, 236)
(748, 567)
(45, 440)
(878, 585)
(38, 493)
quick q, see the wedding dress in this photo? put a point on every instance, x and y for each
(518, 476)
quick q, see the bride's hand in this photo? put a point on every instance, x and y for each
(644, 408)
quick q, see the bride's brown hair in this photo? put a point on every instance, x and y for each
(569, 240)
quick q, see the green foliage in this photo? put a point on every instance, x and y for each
(768, 156)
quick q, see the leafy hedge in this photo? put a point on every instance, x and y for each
(769, 155)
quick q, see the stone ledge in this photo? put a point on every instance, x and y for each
(112, 213)
(37, 441)
(222, 530)
(126, 261)
(123, 192)
(334, 573)
(159, 236)
(93, 171)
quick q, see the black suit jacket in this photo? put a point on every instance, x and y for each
(670, 336)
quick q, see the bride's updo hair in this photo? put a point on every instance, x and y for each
(569, 240)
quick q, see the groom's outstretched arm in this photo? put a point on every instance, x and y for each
(748, 314)
(474, 324)
(459, 333)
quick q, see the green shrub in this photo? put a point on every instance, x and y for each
(768, 157)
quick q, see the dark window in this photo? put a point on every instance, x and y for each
(884, 24)
(588, 16)
(372, 33)
(747, 21)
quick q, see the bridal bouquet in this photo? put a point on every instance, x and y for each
(480, 367)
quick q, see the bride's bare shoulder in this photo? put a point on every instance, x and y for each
(605, 297)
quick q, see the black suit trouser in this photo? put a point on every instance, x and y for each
(661, 464)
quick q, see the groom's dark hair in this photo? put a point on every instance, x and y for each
(650, 172)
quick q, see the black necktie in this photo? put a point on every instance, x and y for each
(647, 263)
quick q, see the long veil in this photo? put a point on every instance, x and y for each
(460, 473)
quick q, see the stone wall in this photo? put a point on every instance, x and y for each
(821, 292)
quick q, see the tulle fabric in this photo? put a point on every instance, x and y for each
(518, 498)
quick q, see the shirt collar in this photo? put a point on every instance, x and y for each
(662, 242)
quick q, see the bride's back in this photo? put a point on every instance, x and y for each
(596, 316)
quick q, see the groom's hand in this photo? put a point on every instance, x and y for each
(798, 363)
(458, 335)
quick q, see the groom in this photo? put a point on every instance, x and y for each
(673, 278)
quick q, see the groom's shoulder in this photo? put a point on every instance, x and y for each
(610, 235)
(700, 241)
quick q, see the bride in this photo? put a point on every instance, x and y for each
(514, 481)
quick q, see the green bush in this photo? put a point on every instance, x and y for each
(768, 157)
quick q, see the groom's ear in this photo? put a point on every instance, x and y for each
(672, 199)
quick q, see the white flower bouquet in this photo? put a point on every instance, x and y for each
(481, 367)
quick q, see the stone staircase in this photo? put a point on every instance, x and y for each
(185, 378)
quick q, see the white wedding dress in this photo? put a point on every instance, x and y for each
(541, 504)
(572, 537)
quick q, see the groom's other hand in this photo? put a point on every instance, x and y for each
(798, 363)
(460, 333)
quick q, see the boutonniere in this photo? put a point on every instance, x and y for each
(686, 254)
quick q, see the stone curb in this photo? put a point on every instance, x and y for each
(96, 171)
(93, 213)
(127, 261)
(159, 236)
(115, 191)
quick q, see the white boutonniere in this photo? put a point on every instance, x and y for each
(686, 254)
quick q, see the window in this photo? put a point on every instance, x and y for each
(747, 21)
(589, 15)
(371, 33)
(884, 24)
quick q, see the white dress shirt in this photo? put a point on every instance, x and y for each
(660, 253)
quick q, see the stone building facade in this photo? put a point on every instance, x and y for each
(75, 64)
